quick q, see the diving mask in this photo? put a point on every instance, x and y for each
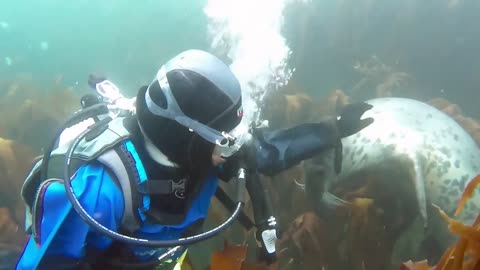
(241, 135)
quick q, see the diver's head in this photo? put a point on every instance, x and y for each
(189, 108)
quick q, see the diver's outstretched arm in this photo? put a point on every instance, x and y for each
(282, 149)
(278, 150)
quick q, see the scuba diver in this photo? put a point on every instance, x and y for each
(132, 189)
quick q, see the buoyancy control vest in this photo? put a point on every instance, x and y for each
(114, 149)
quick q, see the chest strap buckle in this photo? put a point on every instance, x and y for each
(164, 187)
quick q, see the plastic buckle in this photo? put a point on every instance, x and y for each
(178, 188)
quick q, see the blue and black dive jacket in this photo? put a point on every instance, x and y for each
(109, 179)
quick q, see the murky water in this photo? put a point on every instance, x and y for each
(321, 54)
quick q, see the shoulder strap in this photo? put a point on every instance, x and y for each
(128, 178)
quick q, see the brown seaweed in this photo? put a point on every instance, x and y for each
(29, 117)
(32, 115)
(234, 257)
(384, 78)
(15, 160)
(465, 254)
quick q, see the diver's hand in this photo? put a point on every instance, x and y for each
(350, 121)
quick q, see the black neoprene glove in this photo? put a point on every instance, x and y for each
(348, 123)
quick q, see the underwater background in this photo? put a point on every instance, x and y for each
(314, 54)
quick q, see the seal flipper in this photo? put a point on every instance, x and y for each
(331, 201)
(328, 205)
(419, 183)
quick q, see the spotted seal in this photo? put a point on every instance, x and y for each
(440, 155)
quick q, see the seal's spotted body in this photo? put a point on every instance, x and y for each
(442, 156)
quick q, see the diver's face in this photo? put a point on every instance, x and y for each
(217, 158)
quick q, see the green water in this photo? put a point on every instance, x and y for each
(126, 40)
